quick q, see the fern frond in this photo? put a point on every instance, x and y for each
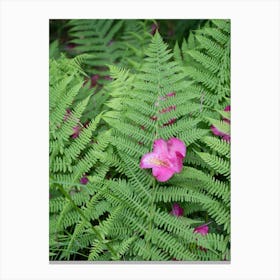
(206, 60)
(95, 37)
(218, 164)
(220, 146)
(135, 38)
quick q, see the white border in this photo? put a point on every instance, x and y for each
(24, 138)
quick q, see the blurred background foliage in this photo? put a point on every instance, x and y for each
(171, 31)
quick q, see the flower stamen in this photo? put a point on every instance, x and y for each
(158, 162)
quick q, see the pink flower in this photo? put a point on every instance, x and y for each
(67, 114)
(163, 98)
(217, 132)
(84, 180)
(76, 129)
(154, 28)
(227, 109)
(94, 79)
(170, 94)
(171, 121)
(226, 137)
(166, 158)
(177, 210)
(165, 110)
(168, 109)
(203, 229)
(70, 46)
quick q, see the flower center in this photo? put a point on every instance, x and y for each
(159, 162)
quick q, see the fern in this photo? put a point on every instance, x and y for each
(206, 60)
(136, 36)
(95, 37)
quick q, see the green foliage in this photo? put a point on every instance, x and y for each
(122, 212)
(96, 36)
(136, 36)
(206, 60)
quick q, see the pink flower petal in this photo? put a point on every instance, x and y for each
(203, 229)
(168, 109)
(76, 130)
(170, 122)
(162, 174)
(147, 160)
(227, 108)
(170, 94)
(67, 114)
(160, 147)
(84, 180)
(94, 79)
(177, 210)
(154, 28)
(216, 131)
(177, 162)
(176, 145)
(226, 137)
